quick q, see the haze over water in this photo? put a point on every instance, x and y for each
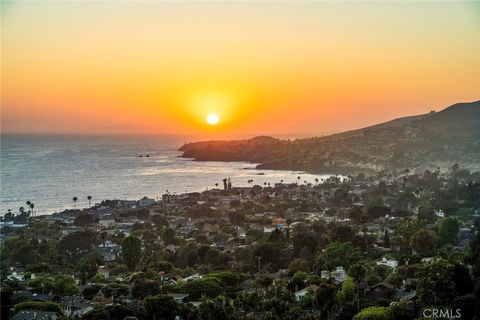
(51, 170)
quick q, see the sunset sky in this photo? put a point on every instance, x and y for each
(262, 67)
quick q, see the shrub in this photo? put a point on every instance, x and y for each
(39, 306)
(374, 313)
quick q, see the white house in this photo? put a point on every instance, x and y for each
(392, 263)
(339, 275)
(299, 295)
(195, 276)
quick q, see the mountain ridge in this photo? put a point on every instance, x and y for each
(425, 141)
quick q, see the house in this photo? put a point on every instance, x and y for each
(35, 315)
(392, 263)
(339, 275)
(109, 251)
(16, 277)
(440, 213)
(107, 222)
(171, 248)
(408, 297)
(247, 285)
(31, 296)
(279, 223)
(146, 202)
(102, 270)
(74, 307)
(325, 274)
(299, 295)
(381, 290)
(267, 231)
(466, 234)
(178, 297)
(195, 276)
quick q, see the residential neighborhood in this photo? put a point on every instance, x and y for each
(394, 242)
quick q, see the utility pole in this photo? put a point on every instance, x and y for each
(259, 259)
(162, 275)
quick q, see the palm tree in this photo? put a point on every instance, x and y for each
(28, 204)
(358, 272)
(74, 201)
(8, 215)
(216, 185)
(89, 201)
(32, 205)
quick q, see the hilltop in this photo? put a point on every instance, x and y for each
(432, 140)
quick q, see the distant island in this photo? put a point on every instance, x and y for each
(428, 141)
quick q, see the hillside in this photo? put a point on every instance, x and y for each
(437, 139)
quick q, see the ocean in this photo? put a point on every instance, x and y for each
(49, 170)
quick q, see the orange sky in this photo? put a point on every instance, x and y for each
(268, 67)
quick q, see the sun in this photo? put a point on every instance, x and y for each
(212, 119)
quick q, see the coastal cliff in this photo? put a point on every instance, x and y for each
(432, 140)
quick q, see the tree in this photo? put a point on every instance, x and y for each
(209, 287)
(277, 236)
(248, 301)
(91, 291)
(406, 229)
(162, 307)
(98, 313)
(118, 311)
(254, 235)
(74, 201)
(188, 255)
(115, 290)
(338, 254)
(298, 264)
(374, 313)
(325, 299)
(168, 236)
(423, 242)
(298, 281)
(75, 245)
(304, 240)
(65, 285)
(89, 198)
(84, 220)
(463, 280)
(267, 252)
(213, 309)
(159, 220)
(131, 251)
(43, 284)
(436, 284)
(358, 272)
(347, 292)
(88, 265)
(108, 312)
(448, 230)
(386, 239)
(145, 287)
(38, 306)
(426, 212)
